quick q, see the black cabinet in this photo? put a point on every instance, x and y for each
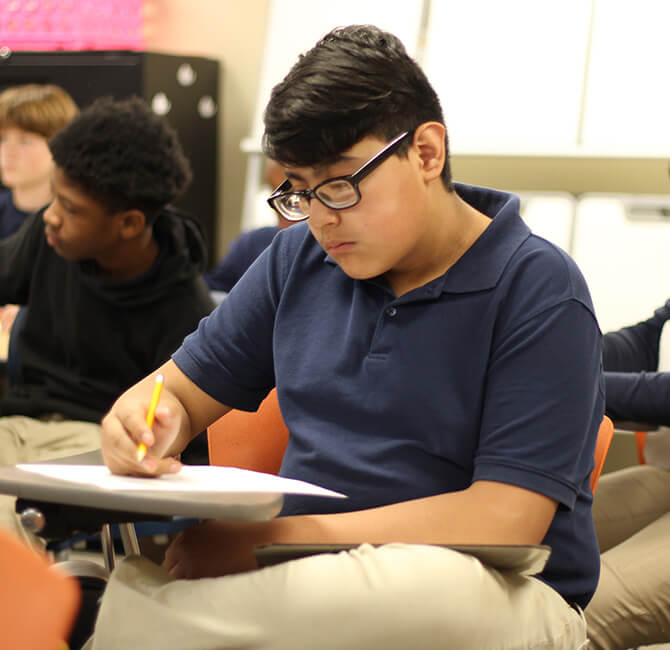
(183, 88)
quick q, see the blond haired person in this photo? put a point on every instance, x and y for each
(29, 115)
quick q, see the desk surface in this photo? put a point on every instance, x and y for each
(240, 506)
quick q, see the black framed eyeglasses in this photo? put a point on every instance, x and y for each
(336, 193)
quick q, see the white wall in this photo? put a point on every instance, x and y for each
(233, 32)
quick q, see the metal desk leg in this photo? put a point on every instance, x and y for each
(129, 538)
(107, 547)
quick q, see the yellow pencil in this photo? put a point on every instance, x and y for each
(142, 448)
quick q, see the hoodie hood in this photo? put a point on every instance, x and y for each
(182, 254)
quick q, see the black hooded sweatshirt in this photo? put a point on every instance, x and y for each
(85, 339)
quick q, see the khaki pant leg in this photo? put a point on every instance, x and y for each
(26, 440)
(396, 597)
(628, 500)
(631, 606)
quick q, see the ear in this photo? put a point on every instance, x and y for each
(132, 223)
(431, 149)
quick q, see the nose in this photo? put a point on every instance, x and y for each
(50, 217)
(321, 215)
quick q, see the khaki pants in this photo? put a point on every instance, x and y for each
(631, 606)
(395, 597)
(27, 440)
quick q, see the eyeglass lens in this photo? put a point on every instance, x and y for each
(338, 193)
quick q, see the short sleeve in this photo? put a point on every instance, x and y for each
(539, 420)
(230, 355)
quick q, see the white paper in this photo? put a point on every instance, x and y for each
(191, 478)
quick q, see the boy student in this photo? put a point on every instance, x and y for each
(111, 276)
(434, 361)
(250, 244)
(631, 511)
(29, 116)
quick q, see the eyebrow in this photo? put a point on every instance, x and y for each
(60, 196)
(294, 176)
(63, 198)
(321, 167)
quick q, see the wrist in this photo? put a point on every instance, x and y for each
(297, 529)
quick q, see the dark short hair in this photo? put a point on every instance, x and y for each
(357, 81)
(123, 155)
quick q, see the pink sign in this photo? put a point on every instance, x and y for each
(71, 24)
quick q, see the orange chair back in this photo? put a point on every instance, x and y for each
(38, 602)
(254, 441)
(640, 440)
(257, 440)
(605, 433)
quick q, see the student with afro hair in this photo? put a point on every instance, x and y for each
(111, 274)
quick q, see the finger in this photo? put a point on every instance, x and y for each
(155, 466)
(117, 446)
(177, 572)
(173, 552)
(163, 432)
(142, 439)
(163, 414)
(135, 424)
(120, 453)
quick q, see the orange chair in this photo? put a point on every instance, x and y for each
(38, 602)
(640, 440)
(255, 440)
(605, 434)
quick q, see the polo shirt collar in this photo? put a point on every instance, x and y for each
(482, 265)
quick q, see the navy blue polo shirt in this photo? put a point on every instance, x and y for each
(489, 372)
(242, 252)
(11, 218)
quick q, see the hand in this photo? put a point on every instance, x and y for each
(213, 548)
(7, 316)
(124, 427)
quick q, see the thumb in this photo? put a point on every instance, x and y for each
(157, 466)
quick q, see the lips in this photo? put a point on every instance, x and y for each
(52, 240)
(337, 246)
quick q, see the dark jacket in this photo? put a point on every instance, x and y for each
(86, 339)
(634, 390)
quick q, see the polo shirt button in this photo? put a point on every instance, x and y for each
(391, 311)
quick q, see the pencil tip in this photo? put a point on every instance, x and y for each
(141, 452)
